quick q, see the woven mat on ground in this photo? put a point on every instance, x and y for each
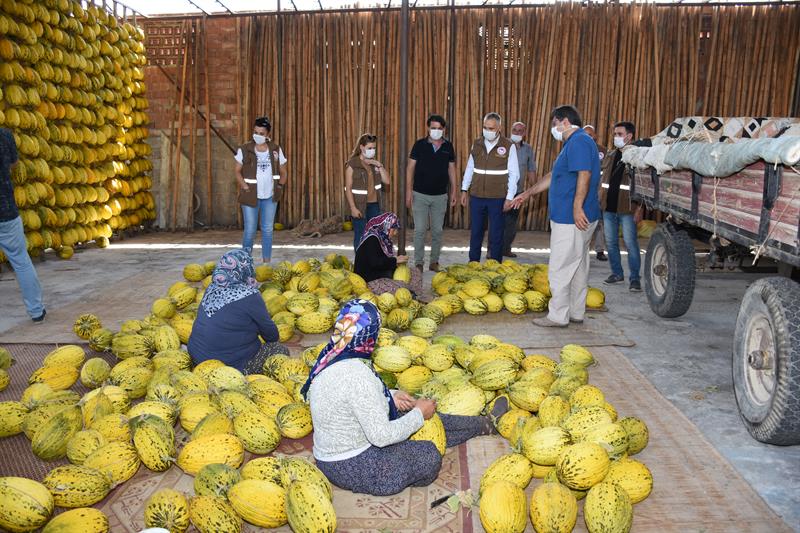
(695, 488)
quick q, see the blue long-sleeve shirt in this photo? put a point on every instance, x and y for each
(231, 334)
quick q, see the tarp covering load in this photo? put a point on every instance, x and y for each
(718, 146)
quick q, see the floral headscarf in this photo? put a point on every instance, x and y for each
(233, 279)
(379, 227)
(354, 337)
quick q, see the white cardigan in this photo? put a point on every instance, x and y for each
(350, 412)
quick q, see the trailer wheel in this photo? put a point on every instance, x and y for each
(669, 271)
(766, 361)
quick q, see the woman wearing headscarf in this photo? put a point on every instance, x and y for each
(231, 317)
(376, 260)
(364, 178)
(361, 428)
(261, 174)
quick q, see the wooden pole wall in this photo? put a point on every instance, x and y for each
(337, 75)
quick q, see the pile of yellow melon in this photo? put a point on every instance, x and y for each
(72, 93)
(489, 287)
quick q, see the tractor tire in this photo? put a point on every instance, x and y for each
(766, 361)
(669, 270)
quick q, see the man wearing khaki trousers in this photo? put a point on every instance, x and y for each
(574, 211)
(431, 170)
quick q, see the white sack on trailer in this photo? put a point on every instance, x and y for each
(722, 160)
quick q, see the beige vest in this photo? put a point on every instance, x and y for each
(490, 174)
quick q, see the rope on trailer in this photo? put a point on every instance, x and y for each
(760, 248)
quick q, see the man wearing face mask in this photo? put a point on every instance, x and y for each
(574, 211)
(489, 184)
(527, 174)
(431, 168)
(618, 209)
(261, 174)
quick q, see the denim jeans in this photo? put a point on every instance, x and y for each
(373, 210)
(429, 211)
(250, 216)
(611, 223)
(12, 242)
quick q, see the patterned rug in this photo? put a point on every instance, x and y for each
(725, 129)
(696, 489)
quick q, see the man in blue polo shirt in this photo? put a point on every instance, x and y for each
(574, 212)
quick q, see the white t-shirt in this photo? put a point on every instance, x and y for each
(264, 173)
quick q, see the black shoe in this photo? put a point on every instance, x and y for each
(40, 319)
(636, 286)
(613, 278)
(601, 256)
(510, 254)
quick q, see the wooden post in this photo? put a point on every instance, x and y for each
(210, 198)
(403, 144)
(192, 133)
(179, 133)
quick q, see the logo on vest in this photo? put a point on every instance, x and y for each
(501, 151)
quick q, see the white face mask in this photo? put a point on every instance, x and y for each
(557, 135)
(619, 142)
(436, 134)
(516, 138)
(489, 135)
(369, 153)
(259, 139)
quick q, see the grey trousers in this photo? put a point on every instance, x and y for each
(598, 241)
(429, 212)
(411, 463)
(510, 229)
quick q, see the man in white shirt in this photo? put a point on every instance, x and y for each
(490, 183)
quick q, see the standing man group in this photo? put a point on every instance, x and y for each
(527, 174)
(12, 234)
(574, 212)
(489, 185)
(431, 169)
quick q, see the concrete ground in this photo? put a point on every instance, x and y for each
(687, 359)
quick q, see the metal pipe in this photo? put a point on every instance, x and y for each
(278, 105)
(451, 105)
(461, 8)
(403, 145)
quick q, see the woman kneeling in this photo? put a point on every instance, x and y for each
(361, 429)
(375, 258)
(231, 316)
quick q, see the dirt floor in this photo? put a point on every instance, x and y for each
(686, 361)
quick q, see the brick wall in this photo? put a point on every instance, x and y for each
(223, 111)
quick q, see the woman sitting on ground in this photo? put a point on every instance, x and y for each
(361, 429)
(375, 258)
(231, 316)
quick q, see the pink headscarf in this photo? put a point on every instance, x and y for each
(379, 227)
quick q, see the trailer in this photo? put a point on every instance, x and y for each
(752, 214)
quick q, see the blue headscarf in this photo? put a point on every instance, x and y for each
(234, 278)
(354, 337)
